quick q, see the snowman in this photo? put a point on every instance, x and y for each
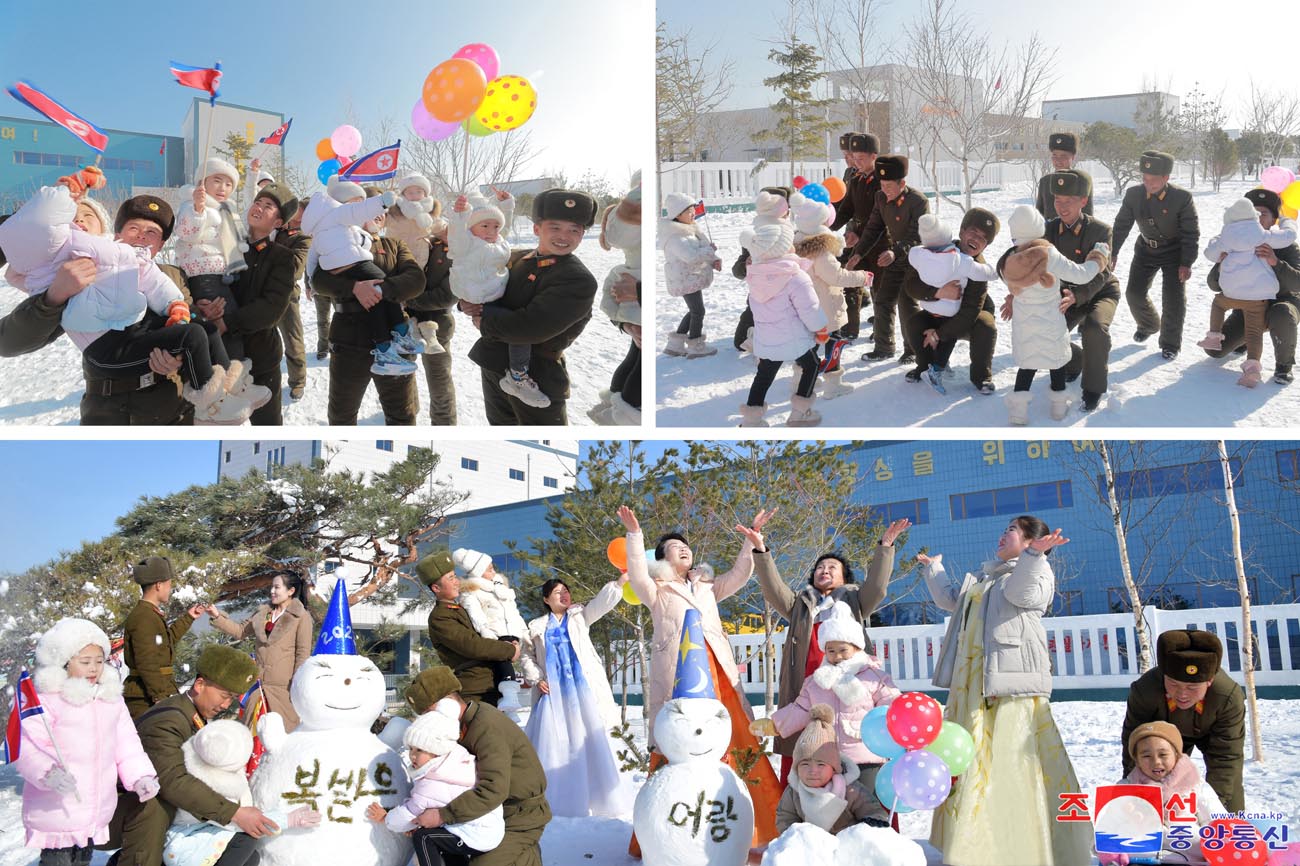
(332, 762)
(695, 811)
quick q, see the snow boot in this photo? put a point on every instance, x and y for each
(833, 385)
(522, 387)
(1213, 341)
(509, 703)
(676, 345)
(213, 405)
(429, 333)
(602, 413)
(696, 347)
(239, 382)
(1018, 408)
(1250, 374)
(624, 413)
(1060, 405)
(752, 416)
(803, 414)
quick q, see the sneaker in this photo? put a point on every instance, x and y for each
(985, 387)
(907, 358)
(1282, 374)
(1141, 336)
(935, 375)
(389, 363)
(407, 342)
(522, 387)
(1169, 354)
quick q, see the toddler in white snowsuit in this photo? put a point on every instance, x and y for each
(489, 601)
(210, 236)
(1247, 283)
(217, 756)
(109, 320)
(937, 261)
(440, 770)
(341, 245)
(1033, 270)
(690, 259)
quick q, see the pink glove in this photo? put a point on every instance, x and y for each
(304, 816)
(1115, 859)
(146, 788)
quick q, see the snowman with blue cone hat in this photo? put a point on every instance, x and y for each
(695, 811)
(331, 760)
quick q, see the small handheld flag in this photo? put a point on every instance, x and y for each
(205, 78)
(280, 134)
(26, 704)
(377, 165)
(90, 135)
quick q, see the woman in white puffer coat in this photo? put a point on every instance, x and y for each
(1034, 270)
(690, 259)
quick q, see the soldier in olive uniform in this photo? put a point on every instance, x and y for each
(350, 341)
(289, 234)
(894, 220)
(975, 320)
(853, 213)
(140, 829)
(436, 304)
(1167, 242)
(1063, 148)
(546, 305)
(1074, 233)
(142, 221)
(1188, 689)
(460, 647)
(150, 644)
(1283, 311)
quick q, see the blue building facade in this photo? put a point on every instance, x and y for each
(34, 153)
(960, 495)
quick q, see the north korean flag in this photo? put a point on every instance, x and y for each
(205, 78)
(91, 135)
(376, 165)
(26, 704)
(279, 135)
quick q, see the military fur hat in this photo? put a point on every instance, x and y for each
(153, 570)
(282, 196)
(1066, 141)
(432, 685)
(845, 139)
(434, 566)
(227, 668)
(1189, 655)
(1156, 162)
(146, 207)
(1070, 181)
(892, 166)
(1267, 199)
(984, 220)
(1163, 730)
(864, 142)
(565, 204)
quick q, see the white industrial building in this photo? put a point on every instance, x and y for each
(1122, 109)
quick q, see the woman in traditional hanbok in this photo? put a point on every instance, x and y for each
(573, 707)
(995, 664)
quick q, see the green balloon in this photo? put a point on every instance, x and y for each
(955, 746)
(473, 127)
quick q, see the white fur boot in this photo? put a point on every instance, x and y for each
(696, 347)
(803, 414)
(602, 413)
(676, 345)
(1060, 405)
(623, 412)
(429, 333)
(833, 385)
(1018, 408)
(213, 405)
(238, 381)
(752, 416)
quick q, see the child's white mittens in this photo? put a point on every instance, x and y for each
(304, 816)
(1103, 248)
(388, 197)
(59, 781)
(146, 788)
(424, 221)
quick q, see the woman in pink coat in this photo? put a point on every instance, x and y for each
(72, 756)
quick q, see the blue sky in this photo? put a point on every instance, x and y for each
(590, 60)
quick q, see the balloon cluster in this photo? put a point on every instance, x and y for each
(923, 751)
(616, 553)
(830, 190)
(466, 92)
(337, 152)
(1283, 181)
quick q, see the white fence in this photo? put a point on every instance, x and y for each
(1088, 652)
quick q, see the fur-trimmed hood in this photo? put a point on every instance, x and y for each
(57, 646)
(661, 571)
(1027, 265)
(671, 229)
(810, 246)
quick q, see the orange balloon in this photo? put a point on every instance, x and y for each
(835, 187)
(617, 553)
(454, 89)
(325, 150)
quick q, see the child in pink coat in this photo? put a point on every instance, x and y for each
(73, 755)
(851, 682)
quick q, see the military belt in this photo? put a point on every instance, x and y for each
(348, 307)
(1154, 243)
(113, 387)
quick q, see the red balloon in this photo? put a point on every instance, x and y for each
(914, 720)
(799, 181)
(1225, 834)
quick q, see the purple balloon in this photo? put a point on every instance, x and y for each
(1275, 178)
(429, 127)
(921, 779)
(484, 55)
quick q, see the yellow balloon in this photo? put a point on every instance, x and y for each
(508, 103)
(1291, 195)
(629, 594)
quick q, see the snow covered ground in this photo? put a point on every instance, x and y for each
(46, 387)
(1090, 730)
(1145, 390)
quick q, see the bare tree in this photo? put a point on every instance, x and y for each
(1200, 114)
(849, 39)
(1246, 634)
(1121, 539)
(689, 84)
(455, 165)
(980, 93)
(1275, 117)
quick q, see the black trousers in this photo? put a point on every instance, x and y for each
(503, 409)
(692, 324)
(742, 327)
(922, 321)
(208, 287)
(626, 381)
(72, 856)
(1025, 378)
(767, 371)
(125, 354)
(438, 846)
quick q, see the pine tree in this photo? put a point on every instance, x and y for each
(1221, 157)
(1117, 149)
(236, 148)
(802, 121)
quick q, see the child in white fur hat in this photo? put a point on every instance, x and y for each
(620, 229)
(210, 236)
(788, 322)
(1033, 270)
(440, 769)
(938, 262)
(416, 216)
(490, 604)
(341, 244)
(72, 756)
(1247, 283)
(690, 259)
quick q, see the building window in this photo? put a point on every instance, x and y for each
(1169, 480)
(467, 463)
(1011, 500)
(331, 567)
(384, 444)
(1288, 465)
(915, 510)
(516, 475)
(257, 447)
(548, 481)
(227, 456)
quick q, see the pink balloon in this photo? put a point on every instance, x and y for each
(914, 719)
(484, 55)
(346, 140)
(429, 127)
(1275, 178)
